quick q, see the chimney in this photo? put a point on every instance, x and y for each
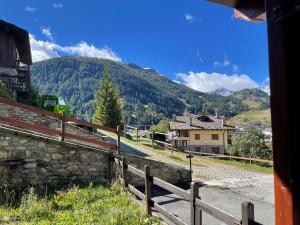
(223, 121)
(174, 118)
(216, 112)
(190, 121)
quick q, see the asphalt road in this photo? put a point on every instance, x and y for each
(224, 199)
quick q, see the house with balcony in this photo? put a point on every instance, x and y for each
(15, 58)
(207, 134)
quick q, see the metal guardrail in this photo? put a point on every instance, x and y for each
(197, 206)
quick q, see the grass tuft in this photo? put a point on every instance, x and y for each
(91, 205)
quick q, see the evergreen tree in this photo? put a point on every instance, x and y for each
(108, 111)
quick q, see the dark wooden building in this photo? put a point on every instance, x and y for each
(15, 57)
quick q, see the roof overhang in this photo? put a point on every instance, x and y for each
(250, 10)
(22, 41)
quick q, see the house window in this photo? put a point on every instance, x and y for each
(215, 136)
(184, 143)
(183, 133)
(215, 150)
(197, 136)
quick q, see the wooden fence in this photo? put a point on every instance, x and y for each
(62, 119)
(52, 132)
(197, 205)
(170, 147)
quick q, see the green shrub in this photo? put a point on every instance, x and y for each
(251, 145)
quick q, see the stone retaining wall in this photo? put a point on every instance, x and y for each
(27, 159)
(170, 173)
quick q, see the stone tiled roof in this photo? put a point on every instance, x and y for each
(199, 123)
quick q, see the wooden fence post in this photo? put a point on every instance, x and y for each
(196, 213)
(148, 190)
(247, 213)
(124, 168)
(172, 146)
(63, 126)
(118, 140)
(152, 139)
(137, 135)
(110, 167)
(124, 131)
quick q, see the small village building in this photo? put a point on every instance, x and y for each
(15, 57)
(207, 134)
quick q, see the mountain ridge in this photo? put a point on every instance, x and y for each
(145, 93)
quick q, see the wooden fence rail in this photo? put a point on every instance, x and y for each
(52, 132)
(270, 162)
(54, 115)
(197, 206)
(169, 146)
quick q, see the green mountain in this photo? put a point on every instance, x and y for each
(147, 95)
(255, 98)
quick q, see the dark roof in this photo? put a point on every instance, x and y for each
(240, 3)
(22, 41)
(250, 10)
(199, 123)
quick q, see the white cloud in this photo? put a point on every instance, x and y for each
(42, 50)
(189, 17)
(47, 33)
(199, 56)
(30, 9)
(58, 5)
(235, 68)
(176, 81)
(224, 63)
(265, 86)
(206, 82)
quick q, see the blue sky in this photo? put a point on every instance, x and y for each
(193, 42)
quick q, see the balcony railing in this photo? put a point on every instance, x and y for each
(19, 82)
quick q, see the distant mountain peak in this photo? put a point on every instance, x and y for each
(222, 91)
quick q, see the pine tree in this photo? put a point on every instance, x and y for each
(108, 111)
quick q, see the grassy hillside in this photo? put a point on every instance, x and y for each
(263, 116)
(145, 93)
(255, 98)
(93, 205)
